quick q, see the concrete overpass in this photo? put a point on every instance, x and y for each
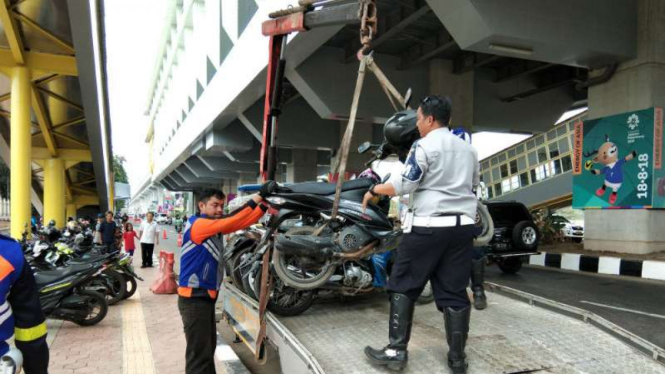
(54, 132)
(513, 67)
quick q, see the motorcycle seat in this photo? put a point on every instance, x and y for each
(316, 188)
(43, 278)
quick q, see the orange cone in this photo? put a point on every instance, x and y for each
(179, 240)
(164, 234)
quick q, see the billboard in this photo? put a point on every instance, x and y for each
(617, 161)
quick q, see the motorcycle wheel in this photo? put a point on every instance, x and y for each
(288, 269)
(97, 309)
(427, 296)
(236, 272)
(284, 301)
(116, 286)
(131, 286)
(484, 220)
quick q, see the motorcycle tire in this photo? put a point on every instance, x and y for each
(235, 271)
(131, 286)
(427, 296)
(510, 265)
(281, 267)
(117, 286)
(301, 299)
(484, 219)
(95, 299)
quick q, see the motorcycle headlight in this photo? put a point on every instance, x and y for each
(274, 200)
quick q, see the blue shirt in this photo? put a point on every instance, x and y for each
(614, 174)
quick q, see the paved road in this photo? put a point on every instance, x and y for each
(644, 301)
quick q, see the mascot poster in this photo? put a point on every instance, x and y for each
(617, 162)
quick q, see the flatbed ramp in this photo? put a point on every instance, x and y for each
(509, 337)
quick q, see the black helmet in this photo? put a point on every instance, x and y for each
(400, 130)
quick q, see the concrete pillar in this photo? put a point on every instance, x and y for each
(70, 210)
(21, 146)
(302, 167)
(54, 191)
(459, 87)
(637, 84)
(362, 132)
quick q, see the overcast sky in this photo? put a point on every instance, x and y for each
(133, 35)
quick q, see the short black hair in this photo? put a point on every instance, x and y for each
(438, 107)
(109, 212)
(207, 193)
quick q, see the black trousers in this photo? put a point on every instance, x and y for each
(146, 253)
(198, 319)
(441, 255)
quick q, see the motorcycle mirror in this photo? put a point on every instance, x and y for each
(364, 147)
(385, 178)
(407, 98)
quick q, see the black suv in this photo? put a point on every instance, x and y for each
(515, 235)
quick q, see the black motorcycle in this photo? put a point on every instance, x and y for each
(63, 294)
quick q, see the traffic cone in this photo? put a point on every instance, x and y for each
(179, 240)
(164, 234)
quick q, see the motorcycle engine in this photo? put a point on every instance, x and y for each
(352, 238)
(354, 276)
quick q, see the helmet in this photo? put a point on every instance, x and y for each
(370, 174)
(400, 130)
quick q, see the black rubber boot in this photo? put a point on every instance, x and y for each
(395, 355)
(457, 330)
(477, 279)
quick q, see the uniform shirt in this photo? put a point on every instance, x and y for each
(613, 172)
(149, 232)
(21, 314)
(440, 173)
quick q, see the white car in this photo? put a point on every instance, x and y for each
(161, 219)
(572, 230)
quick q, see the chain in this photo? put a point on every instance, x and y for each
(367, 14)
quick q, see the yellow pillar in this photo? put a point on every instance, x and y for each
(71, 211)
(54, 191)
(21, 144)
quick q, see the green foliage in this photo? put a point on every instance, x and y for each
(119, 204)
(548, 225)
(119, 173)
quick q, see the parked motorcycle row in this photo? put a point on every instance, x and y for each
(76, 279)
(315, 255)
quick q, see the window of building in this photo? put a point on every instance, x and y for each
(551, 135)
(524, 179)
(504, 171)
(563, 146)
(495, 174)
(566, 163)
(571, 126)
(502, 157)
(554, 149)
(539, 173)
(494, 161)
(490, 192)
(533, 159)
(513, 167)
(485, 165)
(519, 149)
(542, 155)
(540, 139)
(521, 163)
(555, 167)
(561, 131)
(511, 153)
(530, 144)
(497, 189)
(514, 182)
(505, 185)
(533, 176)
(486, 176)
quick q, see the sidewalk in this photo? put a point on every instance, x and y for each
(140, 335)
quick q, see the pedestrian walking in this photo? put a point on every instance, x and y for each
(107, 230)
(439, 174)
(149, 238)
(201, 271)
(98, 236)
(128, 237)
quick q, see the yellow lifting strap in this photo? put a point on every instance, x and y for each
(31, 333)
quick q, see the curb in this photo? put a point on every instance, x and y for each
(646, 269)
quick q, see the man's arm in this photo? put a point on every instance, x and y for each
(29, 322)
(204, 228)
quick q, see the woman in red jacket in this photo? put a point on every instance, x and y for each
(128, 236)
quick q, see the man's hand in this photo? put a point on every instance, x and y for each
(267, 189)
(366, 199)
(257, 198)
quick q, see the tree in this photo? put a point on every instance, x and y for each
(119, 173)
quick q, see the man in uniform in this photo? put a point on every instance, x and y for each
(201, 271)
(21, 314)
(439, 174)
